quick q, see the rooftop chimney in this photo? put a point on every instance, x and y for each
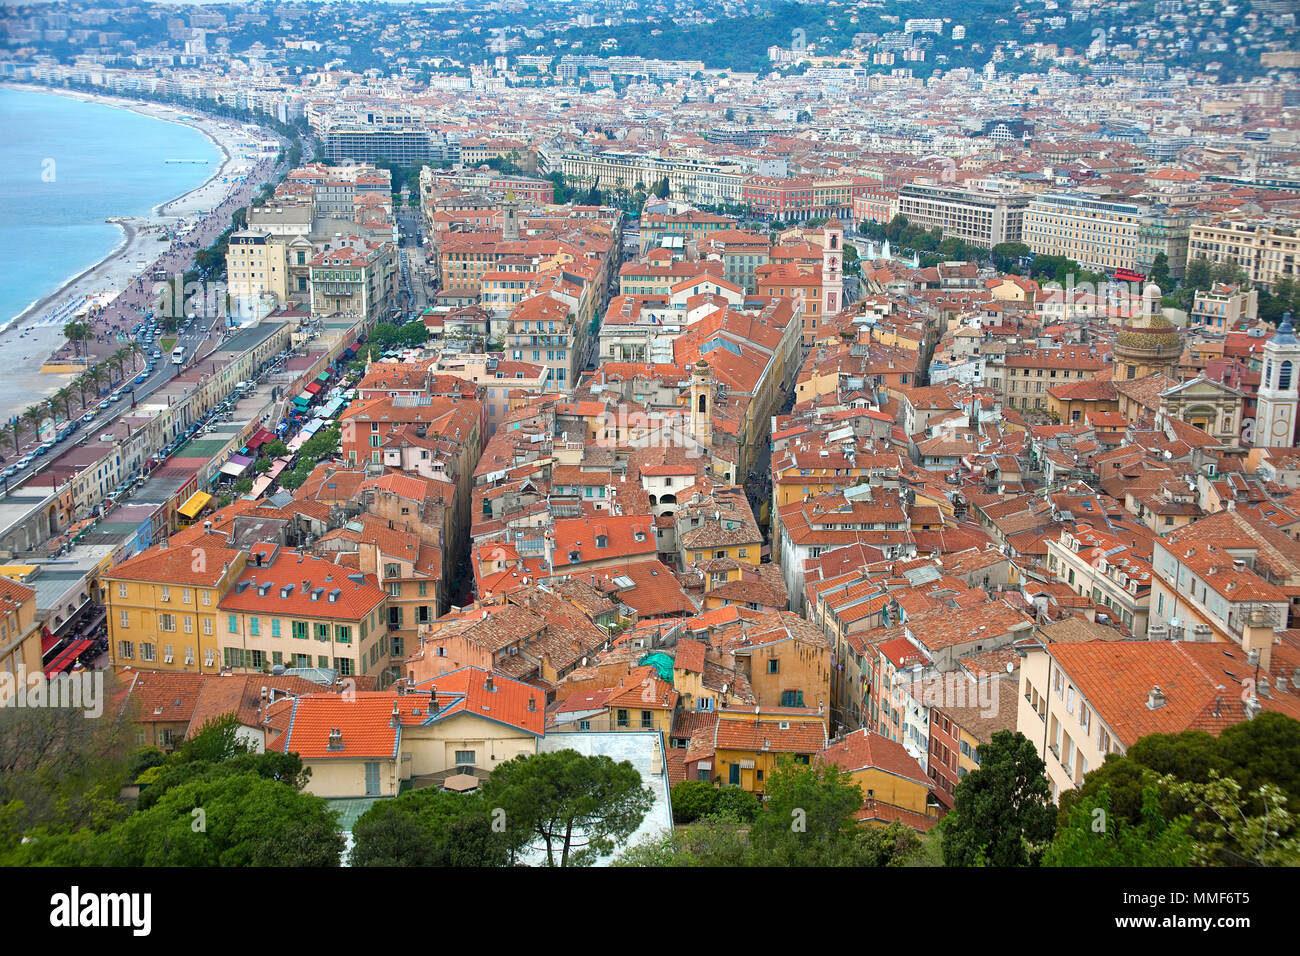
(336, 739)
(1257, 636)
(395, 720)
(487, 685)
(1156, 698)
(532, 703)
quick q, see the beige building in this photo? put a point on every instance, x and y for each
(1080, 701)
(256, 273)
(1266, 249)
(980, 218)
(368, 744)
(1095, 233)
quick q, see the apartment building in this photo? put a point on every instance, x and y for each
(298, 610)
(1080, 701)
(163, 605)
(256, 273)
(1212, 575)
(695, 179)
(1267, 249)
(20, 633)
(1099, 566)
(1023, 379)
(356, 277)
(980, 218)
(1096, 233)
(1221, 307)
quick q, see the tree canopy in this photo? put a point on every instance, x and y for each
(574, 807)
(1002, 813)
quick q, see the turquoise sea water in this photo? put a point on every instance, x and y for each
(68, 166)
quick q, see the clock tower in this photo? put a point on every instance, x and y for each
(1279, 389)
(832, 269)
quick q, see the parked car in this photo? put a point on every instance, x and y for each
(9, 472)
(44, 448)
(103, 406)
(26, 460)
(141, 378)
(89, 416)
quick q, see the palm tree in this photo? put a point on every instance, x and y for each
(14, 430)
(82, 384)
(33, 417)
(96, 376)
(118, 359)
(76, 333)
(63, 397)
(137, 351)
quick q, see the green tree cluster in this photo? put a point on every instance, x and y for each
(213, 802)
(571, 807)
(807, 819)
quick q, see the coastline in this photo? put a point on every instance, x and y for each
(172, 208)
(38, 329)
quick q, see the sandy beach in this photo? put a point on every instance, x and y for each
(111, 289)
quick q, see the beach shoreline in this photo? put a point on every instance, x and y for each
(38, 330)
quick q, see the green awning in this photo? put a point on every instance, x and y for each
(301, 400)
(323, 377)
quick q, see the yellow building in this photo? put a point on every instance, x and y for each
(163, 605)
(894, 787)
(747, 745)
(20, 635)
(641, 701)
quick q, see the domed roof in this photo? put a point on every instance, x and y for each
(1155, 332)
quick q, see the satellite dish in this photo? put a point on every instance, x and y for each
(1010, 667)
(1173, 622)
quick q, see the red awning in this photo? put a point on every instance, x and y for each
(67, 658)
(48, 641)
(261, 438)
(313, 388)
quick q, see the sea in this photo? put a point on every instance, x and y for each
(70, 165)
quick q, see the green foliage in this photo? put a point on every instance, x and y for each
(808, 821)
(215, 741)
(1233, 827)
(284, 768)
(1002, 814)
(692, 799)
(735, 804)
(576, 807)
(808, 818)
(1091, 836)
(275, 448)
(232, 821)
(711, 842)
(323, 444)
(1160, 274)
(387, 335)
(144, 759)
(1007, 254)
(1265, 750)
(61, 771)
(429, 827)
